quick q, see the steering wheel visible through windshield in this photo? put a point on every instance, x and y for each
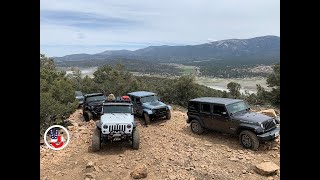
(237, 107)
(149, 99)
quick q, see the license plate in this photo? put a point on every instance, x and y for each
(116, 139)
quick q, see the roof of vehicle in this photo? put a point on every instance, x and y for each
(141, 93)
(93, 94)
(216, 100)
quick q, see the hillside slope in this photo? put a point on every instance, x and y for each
(168, 148)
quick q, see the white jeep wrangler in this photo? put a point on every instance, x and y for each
(116, 124)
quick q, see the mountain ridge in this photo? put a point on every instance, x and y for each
(262, 48)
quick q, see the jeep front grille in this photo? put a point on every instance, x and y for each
(160, 112)
(117, 127)
(268, 125)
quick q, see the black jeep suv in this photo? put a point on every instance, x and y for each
(92, 105)
(232, 116)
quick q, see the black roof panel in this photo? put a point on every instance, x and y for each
(216, 100)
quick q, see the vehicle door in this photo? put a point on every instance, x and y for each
(220, 118)
(205, 115)
(137, 105)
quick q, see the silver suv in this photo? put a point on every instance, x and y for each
(116, 124)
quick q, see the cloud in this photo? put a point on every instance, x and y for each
(83, 20)
(114, 23)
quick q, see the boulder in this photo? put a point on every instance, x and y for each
(266, 168)
(139, 172)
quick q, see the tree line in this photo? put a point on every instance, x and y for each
(57, 90)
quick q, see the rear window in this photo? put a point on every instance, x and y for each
(193, 106)
(205, 108)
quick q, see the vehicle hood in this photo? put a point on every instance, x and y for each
(154, 105)
(251, 117)
(117, 118)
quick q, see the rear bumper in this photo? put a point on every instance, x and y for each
(269, 135)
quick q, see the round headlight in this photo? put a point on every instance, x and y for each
(129, 126)
(105, 126)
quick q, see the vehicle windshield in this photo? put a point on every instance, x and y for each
(117, 109)
(152, 98)
(96, 98)
(237, 107)
(78, 93)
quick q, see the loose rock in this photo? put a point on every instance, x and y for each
(266, 168)
(139, 172)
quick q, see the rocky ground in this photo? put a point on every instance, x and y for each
(168, 150)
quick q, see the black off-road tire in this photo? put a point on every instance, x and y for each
(168, 116)
(87, 116)
(96, 140)
(249, 140)
(135, 138)
(196, 127)
(146, 118)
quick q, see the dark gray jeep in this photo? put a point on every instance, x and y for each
(92, 105)
(232, 116)
(148, 105)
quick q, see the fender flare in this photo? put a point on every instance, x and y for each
(148, 111)
(254, 128)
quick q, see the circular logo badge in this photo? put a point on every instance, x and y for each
(56, 137)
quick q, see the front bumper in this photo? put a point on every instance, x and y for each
(117, 136)
(269, 135)
(160, 113)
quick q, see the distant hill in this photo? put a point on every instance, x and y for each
(258, 50)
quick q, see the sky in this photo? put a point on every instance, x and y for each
(94, 26)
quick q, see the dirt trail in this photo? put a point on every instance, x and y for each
(168, 148)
